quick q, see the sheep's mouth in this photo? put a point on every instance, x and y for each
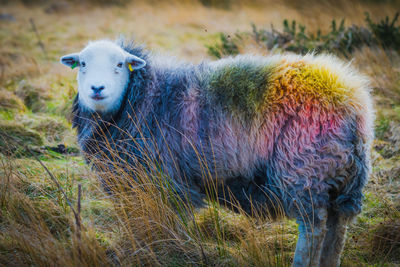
(97, 97)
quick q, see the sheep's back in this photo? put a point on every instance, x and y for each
(294, 112)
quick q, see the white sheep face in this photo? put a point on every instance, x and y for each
(103, 76)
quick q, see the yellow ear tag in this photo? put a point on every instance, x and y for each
(130, 67)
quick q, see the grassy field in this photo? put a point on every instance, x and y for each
(37, 221)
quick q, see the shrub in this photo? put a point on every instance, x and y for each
(228, 46)
(340, 39)
(386, 32)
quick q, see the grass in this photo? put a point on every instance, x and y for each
(144, 226)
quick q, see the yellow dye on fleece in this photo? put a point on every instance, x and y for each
(298, 81)
(326, 81)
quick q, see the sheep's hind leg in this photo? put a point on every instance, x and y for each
(334, 239)
(310, 241)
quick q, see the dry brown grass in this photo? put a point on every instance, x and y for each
(383, 67)
(146, 224)
(38, 230)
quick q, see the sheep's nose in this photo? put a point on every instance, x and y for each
(97, 89)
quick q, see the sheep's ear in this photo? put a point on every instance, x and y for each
(71, 60)
(134, 62)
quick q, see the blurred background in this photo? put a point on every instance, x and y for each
(36, 94)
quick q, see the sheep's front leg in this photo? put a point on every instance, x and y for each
(311, 238)
(334, 239)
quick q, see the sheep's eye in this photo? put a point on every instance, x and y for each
(119, 65)
(83, 64)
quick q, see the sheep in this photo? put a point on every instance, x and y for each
(287, 130)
